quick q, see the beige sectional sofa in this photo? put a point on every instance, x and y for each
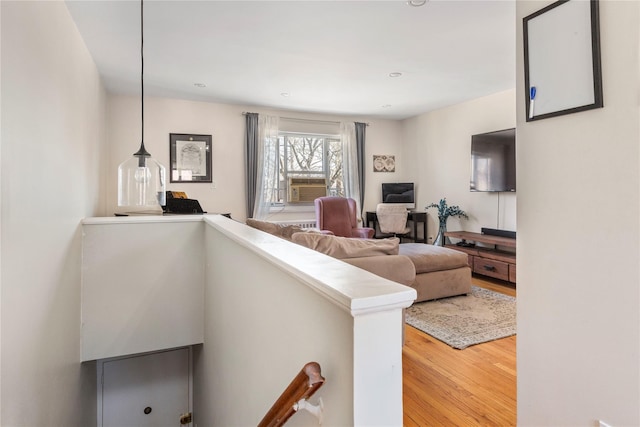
(379, 256)
(434, 271)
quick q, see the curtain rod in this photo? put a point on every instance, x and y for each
(244, 113)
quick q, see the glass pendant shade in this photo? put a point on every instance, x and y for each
(141, 184)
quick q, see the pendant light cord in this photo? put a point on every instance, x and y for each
(142, 67)
(142, 153)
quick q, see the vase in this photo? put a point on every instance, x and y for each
(441, 239)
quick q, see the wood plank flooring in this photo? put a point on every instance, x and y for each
(448, 387)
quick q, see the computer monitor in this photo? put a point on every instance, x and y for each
(399, 192)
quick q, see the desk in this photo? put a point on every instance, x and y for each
(415, 217)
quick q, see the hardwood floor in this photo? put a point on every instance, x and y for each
(448, 387)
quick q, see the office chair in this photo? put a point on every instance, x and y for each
(392, 218)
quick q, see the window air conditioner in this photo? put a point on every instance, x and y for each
(306, 189)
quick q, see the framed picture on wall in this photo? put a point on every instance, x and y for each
(384, 163)
(562, 66)
(190, 157)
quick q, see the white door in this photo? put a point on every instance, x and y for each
(150, 390)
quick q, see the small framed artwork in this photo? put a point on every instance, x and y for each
(562, 68)
(190, 157)
(384, 163)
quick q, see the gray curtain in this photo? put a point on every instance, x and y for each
(361, 129)
(251, 161)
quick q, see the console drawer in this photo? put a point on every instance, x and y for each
(491, 267)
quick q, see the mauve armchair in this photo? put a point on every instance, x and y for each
(338, 215)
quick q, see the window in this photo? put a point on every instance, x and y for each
(310, 156)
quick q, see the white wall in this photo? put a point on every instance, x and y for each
(164, 116)
(293, 306)
(142, 284)
(226, 124)
(578, 244)
(385, 139)
(53, 134)
(439, 142)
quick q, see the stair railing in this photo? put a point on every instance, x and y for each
(295, 396)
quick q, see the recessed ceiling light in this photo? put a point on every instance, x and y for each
(395, 74)
(285, 94)
(200, 85)
(416, 3)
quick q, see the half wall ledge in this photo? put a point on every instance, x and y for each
(355, 290)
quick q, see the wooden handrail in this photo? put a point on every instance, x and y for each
(303, 386)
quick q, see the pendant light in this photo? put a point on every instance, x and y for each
(141, 179)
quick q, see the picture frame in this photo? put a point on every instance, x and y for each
(562, 64)
(384, 163)
(190, 158)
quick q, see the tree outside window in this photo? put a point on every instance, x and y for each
(308, 156)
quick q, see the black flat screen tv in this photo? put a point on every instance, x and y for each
(493, 161)
(399, 192)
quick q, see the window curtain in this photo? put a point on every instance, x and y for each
(361, 129)
(350, 164)
(266, 166)
(251, 160)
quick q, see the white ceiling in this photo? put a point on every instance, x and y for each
(328, 56)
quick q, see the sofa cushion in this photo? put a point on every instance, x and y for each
(346, 247)
(279, 230)
(428, 258)
(398, 268)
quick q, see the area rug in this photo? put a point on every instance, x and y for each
(478, 317)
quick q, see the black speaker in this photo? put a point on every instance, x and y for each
(499, 233)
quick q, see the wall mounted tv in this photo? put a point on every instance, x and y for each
(493, 161)
(399, 192)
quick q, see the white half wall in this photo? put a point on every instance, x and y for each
(142, 284)
(439, 144)
(272, 306)
(579, 244)
(53, 139)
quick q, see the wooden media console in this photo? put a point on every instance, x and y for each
(487, 258)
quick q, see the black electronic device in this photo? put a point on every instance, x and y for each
(493, 161)
(399, 192)
(498, 232)
(463, 243)
(181, 205)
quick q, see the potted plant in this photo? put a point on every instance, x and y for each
(444, 212)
